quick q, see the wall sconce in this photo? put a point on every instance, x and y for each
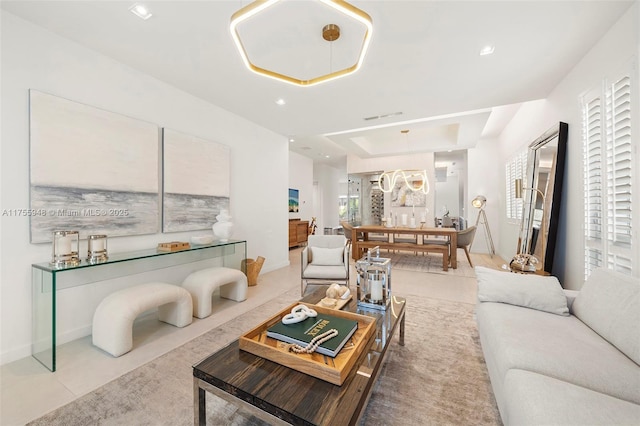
(479, 202)
(65, 248)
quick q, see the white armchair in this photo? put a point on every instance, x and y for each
(325, 259)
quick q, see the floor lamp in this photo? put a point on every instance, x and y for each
(479, 202)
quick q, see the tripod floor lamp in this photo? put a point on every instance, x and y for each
(479, 202)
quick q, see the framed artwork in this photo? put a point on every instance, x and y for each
(196, 176)
(91, 170)
(294, 200)
(402, 196)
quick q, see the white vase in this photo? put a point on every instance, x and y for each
(223, 228)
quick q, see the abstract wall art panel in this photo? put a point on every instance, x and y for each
(195, 181)
(294, 200)
(402, 196)
(92, 170)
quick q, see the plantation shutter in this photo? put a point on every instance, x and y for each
(619, 175)
(593, 169)
(514, 169)
(609, 167)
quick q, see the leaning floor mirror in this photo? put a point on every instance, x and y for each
(541, 191)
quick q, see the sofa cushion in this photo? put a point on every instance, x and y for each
(609, 303)
(535, 399)
(556, 346)
(530, 291)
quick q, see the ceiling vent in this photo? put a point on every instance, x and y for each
(377, 117)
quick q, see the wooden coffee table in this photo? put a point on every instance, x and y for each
(280, 395)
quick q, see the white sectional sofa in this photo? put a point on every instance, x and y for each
(558, 357)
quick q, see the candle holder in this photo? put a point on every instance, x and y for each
(65, 248)
(97, 248)
(373, 282)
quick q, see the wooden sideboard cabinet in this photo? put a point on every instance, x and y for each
(298, 232)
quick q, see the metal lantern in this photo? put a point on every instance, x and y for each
(374, 281)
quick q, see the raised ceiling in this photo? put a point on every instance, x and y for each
(423, 61)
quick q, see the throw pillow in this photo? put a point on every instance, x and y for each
(530, 291)
(609, 303)
(326, 256)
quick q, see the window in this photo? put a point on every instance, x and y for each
(609, 172)
(514, 169)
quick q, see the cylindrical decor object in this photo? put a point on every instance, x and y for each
(252, 269)
(97, 248)
(65, 248)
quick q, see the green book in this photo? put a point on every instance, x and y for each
(302, 332)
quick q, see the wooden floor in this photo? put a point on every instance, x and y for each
(481, 259)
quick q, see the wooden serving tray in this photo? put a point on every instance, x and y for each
(333, 370)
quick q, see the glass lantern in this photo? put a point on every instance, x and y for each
(374, 282)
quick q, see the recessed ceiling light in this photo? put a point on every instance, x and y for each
(141, 11)
(327, 156)
(280, 102)
(291, 140)
(487, 50)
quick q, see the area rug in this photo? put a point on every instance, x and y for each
(437, 378)
(431, 263)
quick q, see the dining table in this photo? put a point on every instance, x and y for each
(448, 235)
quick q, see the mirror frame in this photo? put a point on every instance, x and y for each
(552, 196)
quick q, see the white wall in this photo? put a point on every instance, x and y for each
(35, 58)
(301, 178)
(617, 49)
(485, 177)
(329, 181)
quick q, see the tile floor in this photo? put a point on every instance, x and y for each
(28, 390)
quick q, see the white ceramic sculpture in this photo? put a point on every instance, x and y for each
(223, 228)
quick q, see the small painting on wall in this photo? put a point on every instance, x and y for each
(91, 170)
(196, 187)
(294, 200)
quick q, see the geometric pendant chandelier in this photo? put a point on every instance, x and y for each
(328, 31)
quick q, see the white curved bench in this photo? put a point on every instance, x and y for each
(201, 285)
(113, 319)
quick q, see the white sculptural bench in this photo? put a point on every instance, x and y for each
(114, 317)
(201, 285)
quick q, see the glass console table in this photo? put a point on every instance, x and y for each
(47, 279)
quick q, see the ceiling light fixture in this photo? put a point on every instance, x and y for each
(415, 180)
(280, 102)
(141, 11)
(487, 50)
(330, 33)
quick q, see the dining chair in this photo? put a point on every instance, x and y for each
(350, 233)
(465, 238)
(325, 260)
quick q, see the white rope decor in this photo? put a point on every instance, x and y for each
(314, 343)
